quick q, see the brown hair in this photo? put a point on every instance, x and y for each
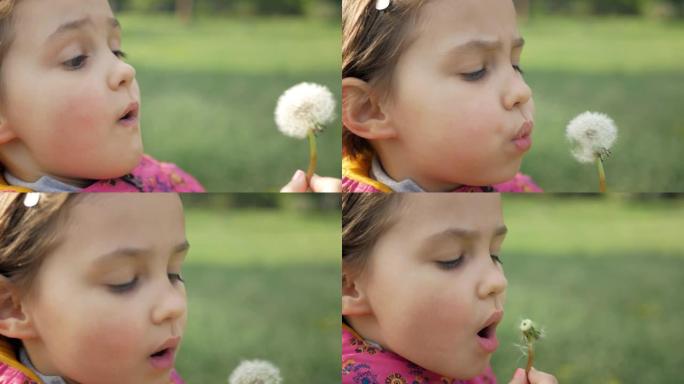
(372, 41)
(6, 12)
(365, 217)
(28, 234)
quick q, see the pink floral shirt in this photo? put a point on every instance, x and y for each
(365, 363)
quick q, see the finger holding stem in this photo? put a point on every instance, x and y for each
(530, 358)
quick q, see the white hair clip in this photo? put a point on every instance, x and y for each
(381, 5)
(31, 199)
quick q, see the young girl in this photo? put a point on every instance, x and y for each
(70, 104)
(90, 288)
(423, 289)
(433, 97)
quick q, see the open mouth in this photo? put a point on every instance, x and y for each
(486, 336)
(163, 358)
(130, 115)
(161, 353)
(486, 332)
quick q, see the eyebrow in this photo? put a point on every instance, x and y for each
(131, 252)
(464, 233)
(80, 23)
(484, 45)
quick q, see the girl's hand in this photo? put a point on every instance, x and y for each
(535, 377)
(317, 184)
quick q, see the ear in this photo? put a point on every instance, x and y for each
(14, 322)
(354, 299)
(6, 134)
(363, 111)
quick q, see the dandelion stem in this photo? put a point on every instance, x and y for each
(313, 155)
(602, 175)
(530, 358)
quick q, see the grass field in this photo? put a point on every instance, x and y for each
(262, 284)
(604, 278)
(630, 69)
(209, 91)
(603, 275)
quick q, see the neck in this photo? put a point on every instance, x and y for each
(400, 167)
(18, 162)
(367, 327)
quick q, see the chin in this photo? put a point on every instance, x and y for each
(468, 373)
(117, 168)
(506, 173)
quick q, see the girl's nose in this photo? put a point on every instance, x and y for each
(493, 281)
(517, 91)
(170, 305)
(122, 74)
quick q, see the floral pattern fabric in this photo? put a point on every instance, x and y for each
(366, 363)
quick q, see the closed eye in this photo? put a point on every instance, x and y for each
(474, 76)
(120, 54)
(176, 278)
(496, 259)
(125, 287)
(450, 264)
(75, 63)
(517, 68)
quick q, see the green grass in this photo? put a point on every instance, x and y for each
(209, 91)
(628, 68)
(262, 284)
(604, 276)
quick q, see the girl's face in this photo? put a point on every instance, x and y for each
(110, 295)
(68, 99)
(459, 102)
(432, 283)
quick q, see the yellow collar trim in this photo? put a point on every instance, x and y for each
(358, 169)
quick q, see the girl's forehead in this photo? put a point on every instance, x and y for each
(103, 223)
(42, 18)
(494, 18)
(440, 211)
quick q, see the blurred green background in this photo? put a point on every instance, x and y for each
(210, 83)
(621, 57)
(262, 278)
(603, 275)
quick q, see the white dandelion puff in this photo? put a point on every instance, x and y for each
(255, 372)
(591, 135)
(302, 111)
(531, 332)
(304, 107)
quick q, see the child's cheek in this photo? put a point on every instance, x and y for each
(115, 336)
(80, 122)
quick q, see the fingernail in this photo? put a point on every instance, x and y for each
(299, 175)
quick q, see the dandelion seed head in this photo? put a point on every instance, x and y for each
(591, 135)
(304, 107)
(525, 325)
(255, 372)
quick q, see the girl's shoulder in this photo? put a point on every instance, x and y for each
(520, 183)
(356, 175)
(11, 370)
(367, 362)
(150, 175)
(175, 378)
